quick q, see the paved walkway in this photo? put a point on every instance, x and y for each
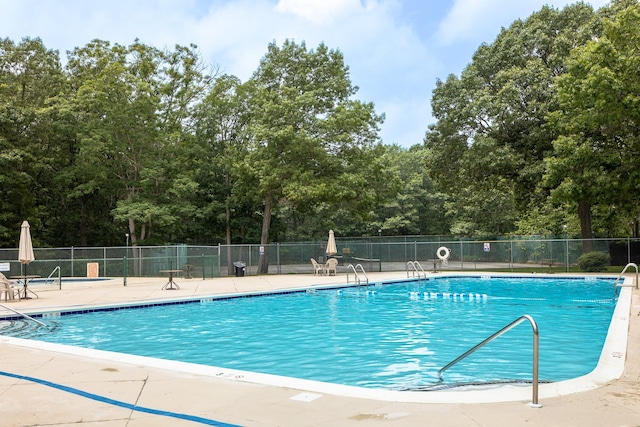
(40, 386)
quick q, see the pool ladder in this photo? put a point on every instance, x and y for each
(55, 279)
(631, 264)
(534, 401)
(357, 279)
(416, 269)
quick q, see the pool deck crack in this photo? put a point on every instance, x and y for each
(139, 396)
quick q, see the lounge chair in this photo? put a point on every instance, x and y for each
(331, 265)
(7, 289)
(317, 268)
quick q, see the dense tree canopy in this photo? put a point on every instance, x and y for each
(595, 162)
(33, 143)
(538, 135)
(487, 148)
(308, 135)
(154, 144)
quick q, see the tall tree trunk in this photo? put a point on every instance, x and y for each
(134, 244)
(263, 264)
(584, 213)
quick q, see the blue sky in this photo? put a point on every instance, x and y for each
(395, 49)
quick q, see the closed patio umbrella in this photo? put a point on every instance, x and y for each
(25, 251)
(331, 244)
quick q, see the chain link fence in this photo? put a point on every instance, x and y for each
(373, 253)
(99, 262)
(393, 254)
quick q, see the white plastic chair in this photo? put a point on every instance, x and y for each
(7, 289)
(331, 265)
(317, 268)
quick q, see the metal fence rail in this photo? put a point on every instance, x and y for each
(379, 254)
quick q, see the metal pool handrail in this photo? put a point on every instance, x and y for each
(534, 403)
(355, 272)
(631, 264)
(22, 314)
(415, 265)
(59, 278)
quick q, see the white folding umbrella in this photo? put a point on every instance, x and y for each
(25, 251)
(331, 244)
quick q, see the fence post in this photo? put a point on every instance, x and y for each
(278, 257)
(511, 254)
(124, 270)
(203, 267)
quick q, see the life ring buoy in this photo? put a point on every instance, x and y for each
(443, 256)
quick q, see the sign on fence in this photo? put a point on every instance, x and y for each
(5, 266)
(92, 269)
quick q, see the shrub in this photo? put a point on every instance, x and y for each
(594, 261)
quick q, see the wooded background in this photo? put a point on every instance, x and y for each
(538, 135)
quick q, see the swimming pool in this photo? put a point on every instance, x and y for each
(395, 335)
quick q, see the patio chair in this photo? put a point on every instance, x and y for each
(317, 268)
(7, 289)
(331, 265)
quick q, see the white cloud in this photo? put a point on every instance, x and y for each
(319, 12)
(235, 35)
(388, 61)
(464, 21)
(66, 24)
(473, 20)
(394, 64)
(407, 120)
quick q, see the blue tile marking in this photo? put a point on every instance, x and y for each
(186, 417)
(150, 304)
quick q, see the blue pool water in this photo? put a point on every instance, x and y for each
(385, 336)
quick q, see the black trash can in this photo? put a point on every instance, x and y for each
(239, 267)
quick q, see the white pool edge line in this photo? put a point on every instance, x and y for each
(610, 367)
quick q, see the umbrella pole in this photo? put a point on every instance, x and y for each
(24, 282)
(24, 279)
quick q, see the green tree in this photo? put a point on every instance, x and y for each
(413, 206)
(308, 135)
(594, 163)
(135, 109)
(30, 78)
(487, 148)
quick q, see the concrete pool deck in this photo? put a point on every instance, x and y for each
(41, 386)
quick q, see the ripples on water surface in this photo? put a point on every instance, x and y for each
(391, 336)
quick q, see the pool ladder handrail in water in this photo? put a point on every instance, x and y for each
(26, 316)
(617, 285)
(358, 280)
(534, 402)
(57, 279)
(415, 265)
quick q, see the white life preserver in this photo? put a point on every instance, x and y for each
(443, 256)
